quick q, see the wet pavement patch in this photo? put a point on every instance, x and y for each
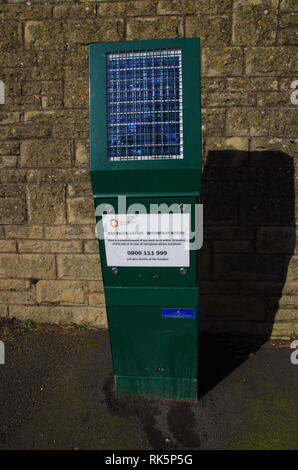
(182, 424)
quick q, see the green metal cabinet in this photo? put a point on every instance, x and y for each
(154, 354)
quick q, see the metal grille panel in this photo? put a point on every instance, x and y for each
(144, 99)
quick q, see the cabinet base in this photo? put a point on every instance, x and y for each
(157, 387)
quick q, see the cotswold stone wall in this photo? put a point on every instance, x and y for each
(49, 264)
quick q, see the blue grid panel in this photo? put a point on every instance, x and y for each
(144, 105)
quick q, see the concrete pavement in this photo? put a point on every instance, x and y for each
(56, 392)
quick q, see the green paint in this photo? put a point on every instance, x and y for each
(152, 356)
(155, 176)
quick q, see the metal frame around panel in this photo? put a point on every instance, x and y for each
(191, 162)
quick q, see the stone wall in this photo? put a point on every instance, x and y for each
(49, 265)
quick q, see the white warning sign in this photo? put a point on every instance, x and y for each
(144, 240)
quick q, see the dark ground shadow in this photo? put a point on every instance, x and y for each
(249, 237)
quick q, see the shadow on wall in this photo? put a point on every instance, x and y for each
(249, 237)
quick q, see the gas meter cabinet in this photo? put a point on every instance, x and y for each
(145, 147)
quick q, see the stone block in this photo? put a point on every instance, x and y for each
(228, 99)
(71, 292)
(91, 246)
(22, 297)
(96, 298)
(11, 177)
(68, 232)
(76, 89)
(251, 85)
(47, 203)
(74, 11)
(23, 231)
(284, 122)
(261, 288)
(287, 33)
(9, 118)
(187, 7)
(13, 210)
(10, 147)
(81, 153)
(210, 29)
(274, 61)
(236, 246)
(223, 143)
(27, 266)
(116, 9)
(25, 12)
(85, 266)
(92, 316)
(144, 8)
(14, 284)
(274, 99)
(10, 35)
(80, 188)
(222, 61)
(129, 8)
(288, 5)
(80, 211)
(22, 131)
(57, 175)
(231, 306)
(64, 124)
(7, 246)
(8, 161)
(3, 310)
(213, 121)
(229, 233)
(220, 210)
(50, 246)
(215, 287)
(286, 314)
(247, 122)
(94, 30)
(154, 28)
(46, 152)
(244, 267)
(95, 286)
(49, 93)
(290, 288)
(44, 35)
(276, 240)
(291, 268)
(42, 313)
(282, 330)
(254, 22)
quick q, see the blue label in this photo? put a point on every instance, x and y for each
(178, 312)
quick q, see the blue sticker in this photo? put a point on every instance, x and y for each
(178, 312)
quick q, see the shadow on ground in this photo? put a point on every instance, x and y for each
(249, 238)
